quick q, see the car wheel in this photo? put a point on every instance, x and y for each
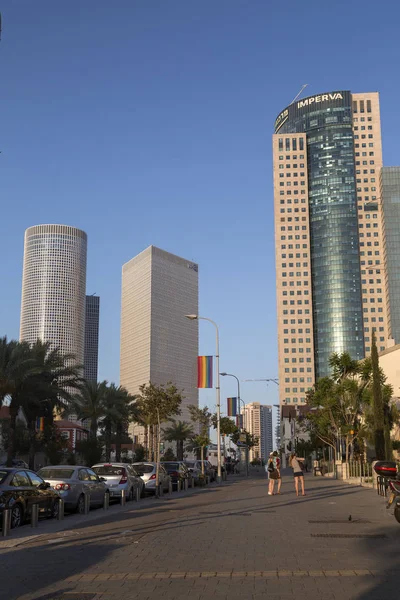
(16, 516)
(80, 507)
(54, 510)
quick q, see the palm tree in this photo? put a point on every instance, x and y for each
(117, 414)
(178, 432)
(89, 404)
(50, 387)
(16, 365)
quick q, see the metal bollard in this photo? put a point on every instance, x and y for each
(170, 488)
(87, 503)
(208, 480)
(123, 497)
(106, 502)
(137, 494)
(160, 490)
(178, 486)
(35, 515)
(61, 509)
(186, 485)
(6, 524)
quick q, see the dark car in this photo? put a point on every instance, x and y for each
(178, 471)
(20, 489)
(16, 462)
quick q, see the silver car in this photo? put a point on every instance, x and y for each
(72, 483)
(147, 471)
(120, 476)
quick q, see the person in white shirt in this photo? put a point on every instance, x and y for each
(296, 465)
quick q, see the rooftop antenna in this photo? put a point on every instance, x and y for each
(303, 87)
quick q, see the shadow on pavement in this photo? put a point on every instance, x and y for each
(45, 566)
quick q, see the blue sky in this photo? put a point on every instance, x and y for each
(149, 122)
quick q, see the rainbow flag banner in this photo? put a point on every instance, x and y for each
(204, 371)
(232, 406)
(40, 424)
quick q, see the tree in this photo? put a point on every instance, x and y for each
(48, 388)
(227, 426)
(251, 439)
(169, 455)
(203, 417)
(378, 408)
(155, 405)
(140, 454)
(89, 404)
(117, 413)
(178, 432)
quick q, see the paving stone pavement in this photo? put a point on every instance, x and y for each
(232, 541)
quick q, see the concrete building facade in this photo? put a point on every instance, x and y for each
(258, 422)
(158, 343)
(54, 288)
(92, 319)
(330, 277)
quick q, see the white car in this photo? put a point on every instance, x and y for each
(120, 476)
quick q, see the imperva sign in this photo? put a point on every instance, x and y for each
(318, 99)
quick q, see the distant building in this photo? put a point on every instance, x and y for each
(158, 343)
(54, 288)
(258, 422)
(72, 432)
(390, 198)
(92, 337)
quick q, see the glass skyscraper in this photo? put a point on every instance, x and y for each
(327, 152)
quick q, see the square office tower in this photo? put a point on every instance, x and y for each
(330, 272)
(158, 343)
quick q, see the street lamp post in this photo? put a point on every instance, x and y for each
(240, 400)
(217, 389)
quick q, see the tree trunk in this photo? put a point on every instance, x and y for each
(32, 444)
(108, 433)
(146, 442)
(179, 449)
(202, 460)
(379, 433)
(118, 442)
(12, 434)
(151, 444)
(93, 428)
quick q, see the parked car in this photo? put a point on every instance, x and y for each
(72, 482)
(120, 476)
(16, 462)
(147, 471)
(20, 489)
(178, 471)
(209, 469)
(194, 467)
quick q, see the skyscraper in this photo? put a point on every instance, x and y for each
(328, 235)
(92, 337)
(390, 195)
(54, 288)
(258, 421)
(157, 343)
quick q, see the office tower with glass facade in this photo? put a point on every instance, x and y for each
(158, 343)
(390, 194)
(54, 288)
(92, 337)
(328, 235)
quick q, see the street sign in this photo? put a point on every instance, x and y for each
(242, 438)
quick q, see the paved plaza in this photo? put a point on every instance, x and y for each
(231, 542)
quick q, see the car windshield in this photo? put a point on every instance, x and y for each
(56, 473)
(142, 469)
(3, 475)
(190, 463)
(109, 470)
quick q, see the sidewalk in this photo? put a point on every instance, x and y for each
(232, 541)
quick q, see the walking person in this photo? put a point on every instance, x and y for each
(277, 464)
(272, 474)
(295, 463)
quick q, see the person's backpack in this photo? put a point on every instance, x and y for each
(270, 468)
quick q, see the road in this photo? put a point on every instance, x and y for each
(230, 542)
